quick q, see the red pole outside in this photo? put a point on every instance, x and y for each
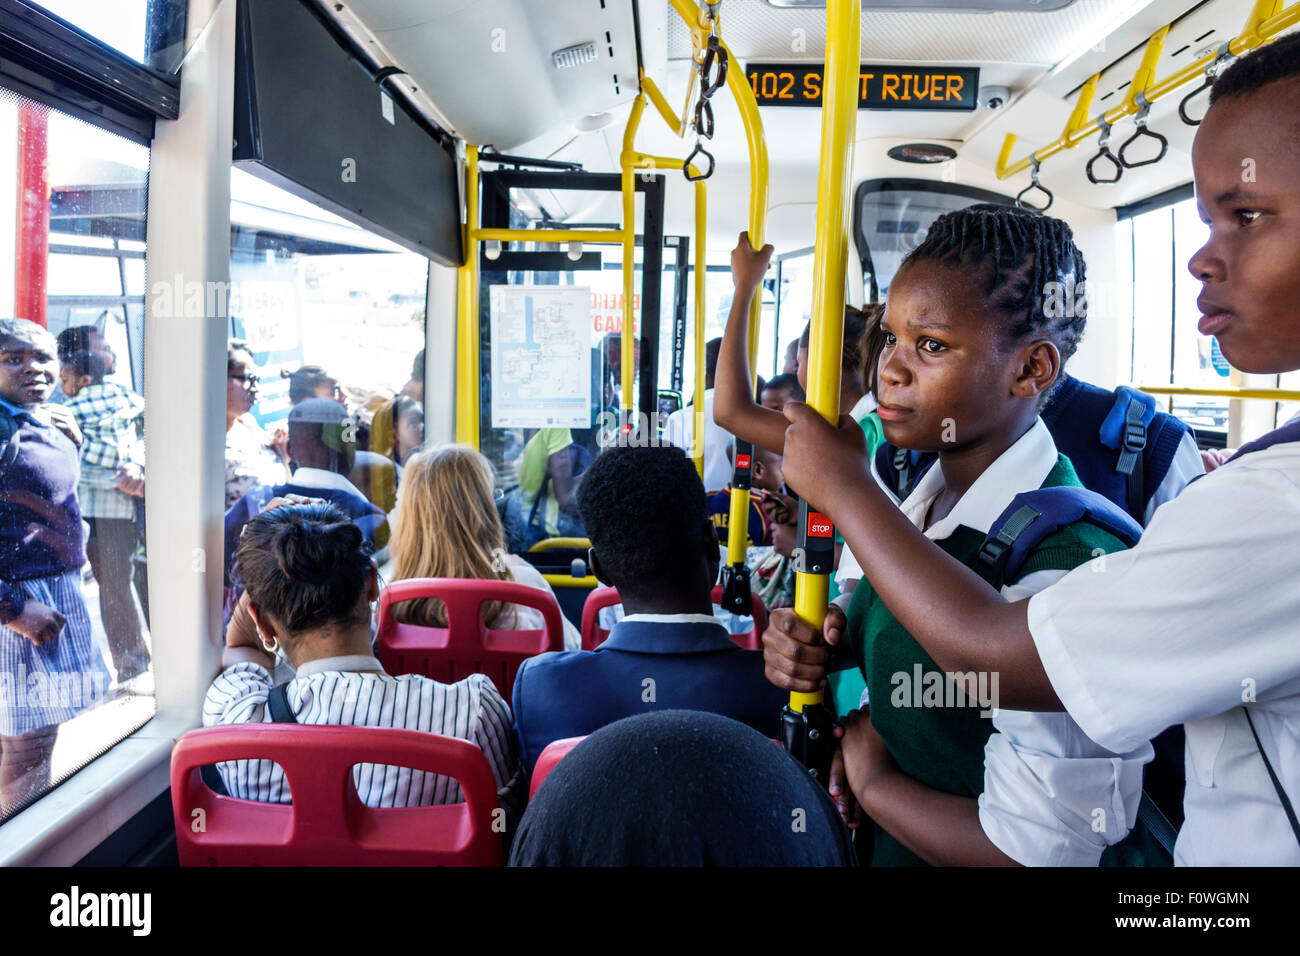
(31, 257)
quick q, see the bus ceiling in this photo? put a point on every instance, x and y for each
(559, 78)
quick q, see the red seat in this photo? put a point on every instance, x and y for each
(597, 601)
(327, 824)
(465, 646)
(551, 754)
(594, 635)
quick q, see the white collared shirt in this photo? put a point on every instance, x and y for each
(1044, 779)
(319, 478)
(1201, 617)
(863, 407)
(355, 691)
(679, 430)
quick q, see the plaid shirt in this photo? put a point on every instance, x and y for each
(107, 414)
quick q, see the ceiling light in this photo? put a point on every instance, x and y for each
(593, 122)
(923, 153)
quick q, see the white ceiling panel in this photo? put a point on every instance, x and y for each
(756, 30)
(487, 64)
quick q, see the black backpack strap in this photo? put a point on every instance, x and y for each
(1277, 784)
(1157, 823)
(277, 701)
(1131, 462)
(9, 440)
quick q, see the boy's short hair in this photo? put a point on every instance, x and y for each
(1279, 60)
(74, 339)
(27, 332)
(784, 381)
(304, 382)
(88, 363)
(644, 510)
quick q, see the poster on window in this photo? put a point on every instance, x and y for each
(541, 356)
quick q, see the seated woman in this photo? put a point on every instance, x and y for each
(309, 582)
(447, 526)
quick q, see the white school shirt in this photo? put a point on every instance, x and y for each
(1201, 617)
(1044, 778)
(1184, 467)
(849, 569)
(679, 430)
(356, 692)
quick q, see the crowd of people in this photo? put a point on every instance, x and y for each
(941, 436)
(996, 704)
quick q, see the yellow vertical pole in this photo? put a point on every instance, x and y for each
(830, 258)
(738, 505)
(697, 432)
(627, 338)
(467, 321)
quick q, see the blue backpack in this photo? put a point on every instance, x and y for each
(1120, 445)
(1030, 519)
(1034, 516)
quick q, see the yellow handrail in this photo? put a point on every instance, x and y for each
(467, 395)
(1267, 19)
(612, 236)
(556, 544)
(1264, 394)
(467, 319)
(830, 260)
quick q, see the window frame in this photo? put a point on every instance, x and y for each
(52, 62)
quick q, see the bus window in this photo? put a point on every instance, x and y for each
(72, 560)
(1162, 346)
(327, 310)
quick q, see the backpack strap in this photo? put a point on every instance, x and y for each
(1125, 429)
(1277, 784)
(900, 469)
(1033, 516)
(9, 440)
(278, 703)
(1157, 823)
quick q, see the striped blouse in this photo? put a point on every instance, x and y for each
(356, 692)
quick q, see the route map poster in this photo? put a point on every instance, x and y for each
(541, 356)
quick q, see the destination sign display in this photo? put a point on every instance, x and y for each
(879, 87)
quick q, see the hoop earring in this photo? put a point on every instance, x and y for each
(270, 648)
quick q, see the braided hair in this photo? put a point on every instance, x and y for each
(1034, 275)
(304, 565)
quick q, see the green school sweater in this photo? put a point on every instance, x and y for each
(943, 746)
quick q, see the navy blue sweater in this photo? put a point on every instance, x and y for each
(40, 520)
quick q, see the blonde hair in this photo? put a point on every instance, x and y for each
(449, 528)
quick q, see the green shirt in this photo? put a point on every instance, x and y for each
(937, 740)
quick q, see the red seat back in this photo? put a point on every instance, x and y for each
(593, 635)
(597, 600)
(465, 646)
(551, 754)
(327, 824)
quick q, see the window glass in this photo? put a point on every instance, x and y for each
(1166, 348)
(320, 310)
(894, 221)
(72, 560)
(151, 32)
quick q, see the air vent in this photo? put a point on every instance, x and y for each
(572, 56)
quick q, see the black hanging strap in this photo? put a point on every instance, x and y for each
(1277, 784)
